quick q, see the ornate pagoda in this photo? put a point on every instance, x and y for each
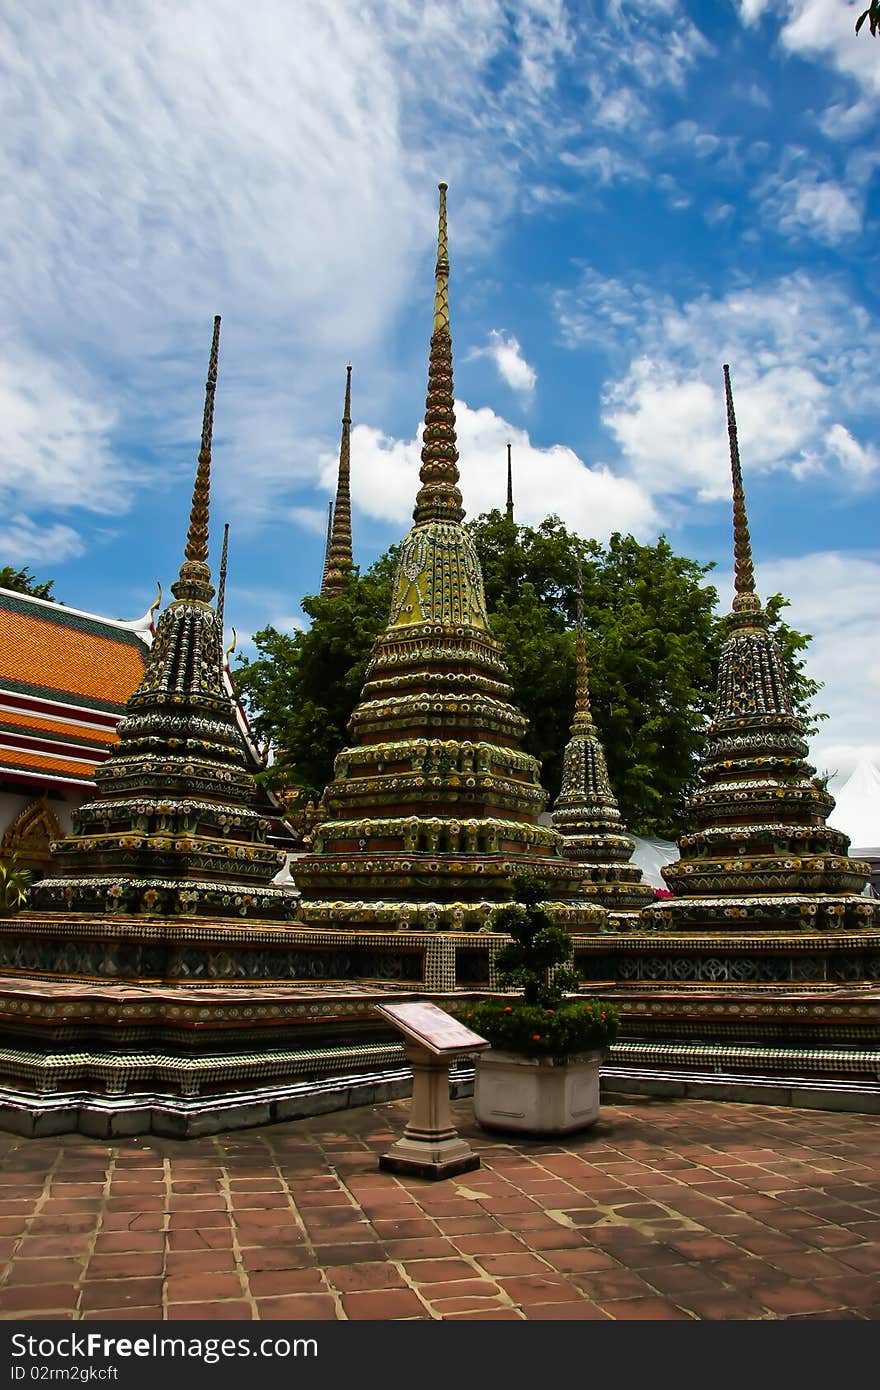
(173, 829)
(586, 813)
(762, 856)
(434, 807)
(760, 979)
(338, 562)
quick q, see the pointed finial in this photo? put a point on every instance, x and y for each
(339, 560)
(583, 717)
(509, 510)
(221, 587)
(746, 599)
(439, 498)
(441, 272)
(327, 542)
(195, 576)
(156, 604)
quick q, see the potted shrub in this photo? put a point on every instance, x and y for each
(540, 1074)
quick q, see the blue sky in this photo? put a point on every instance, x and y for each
(637, 195)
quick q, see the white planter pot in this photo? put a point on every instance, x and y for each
(536, 1095)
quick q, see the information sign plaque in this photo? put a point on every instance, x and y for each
(433, 1027)
(430, 1145)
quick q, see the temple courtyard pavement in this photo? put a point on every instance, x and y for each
(667, 1209)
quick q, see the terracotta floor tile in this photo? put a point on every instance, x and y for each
(389, 1303)
(372, 1275)
(429, 1247)
(539, 1288)
(44, 1271)
(581, 1311)
(645, 1310)
(305, 1307)
(792, 1298)
(203, 1288)
(499, 1315)
(21, 1299)
(120, 1293)
(233, 1311)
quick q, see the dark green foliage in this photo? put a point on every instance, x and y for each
(872, 15)
(15, 880)
(535, 1031)
(23, 582)
(537, 960)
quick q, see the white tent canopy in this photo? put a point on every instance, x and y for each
(857, 812)
(650, 855)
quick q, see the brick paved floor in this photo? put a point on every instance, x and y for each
(667, 1209)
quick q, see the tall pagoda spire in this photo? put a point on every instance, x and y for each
(586, 813)
(439, 498)
(194, 581)
(744, 575)
(509, 508)
(761, 837)
(583, 716)
(337, 571)
(173, 827)
(433, 809)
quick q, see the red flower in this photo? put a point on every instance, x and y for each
(536, 1037)
(551, 1011)
(601, 1015)
(508, 1009)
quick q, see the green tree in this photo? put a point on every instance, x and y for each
(653, 641)
(23, 582)
(872, 15)
(303, 686)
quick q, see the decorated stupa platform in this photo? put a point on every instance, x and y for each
(765, 962)
(111, 1058)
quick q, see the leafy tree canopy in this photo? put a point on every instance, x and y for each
(23, 582)
(652, 637)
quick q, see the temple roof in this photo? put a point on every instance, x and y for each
(65, 678)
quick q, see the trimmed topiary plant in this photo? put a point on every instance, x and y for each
(538, 962)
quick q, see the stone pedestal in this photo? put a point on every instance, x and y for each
(430, 1146)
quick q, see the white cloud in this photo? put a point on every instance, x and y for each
(824, 31)
(274, 163)
(835, 596)
(592, 500)
(802, 363)
(310, 518)
(810, 205)
(55, 438)
(505, 351)
(24, 542)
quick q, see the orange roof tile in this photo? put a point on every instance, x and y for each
(57, 728)
(43, 762)
(48, 654)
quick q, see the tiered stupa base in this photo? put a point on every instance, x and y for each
(770, 1007)
(121, 1025)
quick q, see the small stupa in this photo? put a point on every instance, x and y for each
(586, 813)
(434, 806)
(339, 560)
(174, 828)
(762, 856)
